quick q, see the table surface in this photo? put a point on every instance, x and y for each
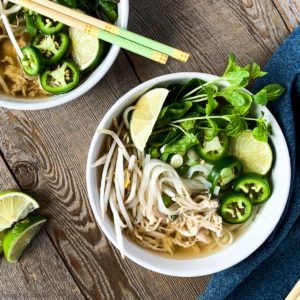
(44, 152)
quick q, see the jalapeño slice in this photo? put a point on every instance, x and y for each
(214, 149)
(53, 47)
(61, 78)
(33, 61)
(47, 25)
(225, 171)
(235, 208)
(255, 186)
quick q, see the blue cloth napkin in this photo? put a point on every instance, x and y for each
(272, 271)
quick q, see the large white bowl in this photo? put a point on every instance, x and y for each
(262, 226)
(89, 82)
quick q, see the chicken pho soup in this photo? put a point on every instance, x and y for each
(184, 170)
(52, 58)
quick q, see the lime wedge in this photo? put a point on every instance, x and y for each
(255, 155)
(86, 49)
(14, 206)
(19, 237)
(145, 115)
(2, 234)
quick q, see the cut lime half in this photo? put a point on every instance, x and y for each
(255, 155)
(86, 49)
(14, 206)
(19, 237)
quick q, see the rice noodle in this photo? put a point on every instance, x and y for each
(125, 115)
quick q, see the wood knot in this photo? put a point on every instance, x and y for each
(26, 174)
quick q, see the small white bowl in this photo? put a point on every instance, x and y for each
(85, 86)
(262, 226)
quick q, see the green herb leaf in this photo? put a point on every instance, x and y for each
(260, 134)
(188, 125)
(233, 96)
(261, 97)
(236, 125)
(238, 78)
(212, 103)
(256, 72)
(212, 132)
(173, 111)
(182, 145)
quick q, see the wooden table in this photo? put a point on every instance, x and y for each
(45, 152)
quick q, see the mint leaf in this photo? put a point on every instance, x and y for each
(268, 93)
(274, 91)
(238, 78)
(182, 145)
(212, 103)
(236, 125)
(233, 96)
(260, 134)
(256, 72)
(261, 97)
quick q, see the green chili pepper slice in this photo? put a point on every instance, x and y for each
(255, 186)
(61, 78)
(53, 47)
(30, 25)
(47, 25)
(235, 208)
(33, 61)
(225, 171)
(214, 149)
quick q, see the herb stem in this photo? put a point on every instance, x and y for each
(195, 97)
(176, 126)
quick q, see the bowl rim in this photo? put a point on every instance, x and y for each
(119, 105)
(93, 78)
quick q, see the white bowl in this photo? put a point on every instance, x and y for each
(86, 85)
(262, 226)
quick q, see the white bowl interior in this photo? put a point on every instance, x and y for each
(86, 85)
(262, 226)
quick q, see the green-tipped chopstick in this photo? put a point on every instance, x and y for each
(124, 38)
(92, 30)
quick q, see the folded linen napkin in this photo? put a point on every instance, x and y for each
(272, 270)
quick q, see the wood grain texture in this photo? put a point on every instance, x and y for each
(289, 11)
(40, 273)
(209, 30)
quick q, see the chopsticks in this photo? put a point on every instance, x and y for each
(110, 33)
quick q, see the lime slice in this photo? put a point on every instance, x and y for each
(19, 237)
(14, 206)
(86, 49)
(256, 156)
(145, 115)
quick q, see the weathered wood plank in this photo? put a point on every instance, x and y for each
(47, 151)
(209, 30)
(289, 11)
(40, 273)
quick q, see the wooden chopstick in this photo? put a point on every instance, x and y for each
(93, 30)
(149, 43)
(295, 292)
